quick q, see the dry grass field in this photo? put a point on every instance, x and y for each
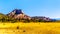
(30, 28)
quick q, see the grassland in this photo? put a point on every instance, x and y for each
(30, 28)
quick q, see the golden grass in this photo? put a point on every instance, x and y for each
(30, 28)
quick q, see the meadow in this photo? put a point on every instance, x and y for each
(30, 28)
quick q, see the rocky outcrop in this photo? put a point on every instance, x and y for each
(18, 14)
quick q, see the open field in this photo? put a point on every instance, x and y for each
(30, 28)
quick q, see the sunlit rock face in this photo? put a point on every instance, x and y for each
(18, 14)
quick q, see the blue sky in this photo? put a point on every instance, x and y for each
(48, 8)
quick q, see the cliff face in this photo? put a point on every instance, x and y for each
(18, 14)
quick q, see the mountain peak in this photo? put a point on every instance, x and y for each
(18, 11)
(18, 14)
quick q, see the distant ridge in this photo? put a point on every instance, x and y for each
(41, 18)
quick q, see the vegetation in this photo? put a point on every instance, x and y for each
(30, 28)
(5, 18)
